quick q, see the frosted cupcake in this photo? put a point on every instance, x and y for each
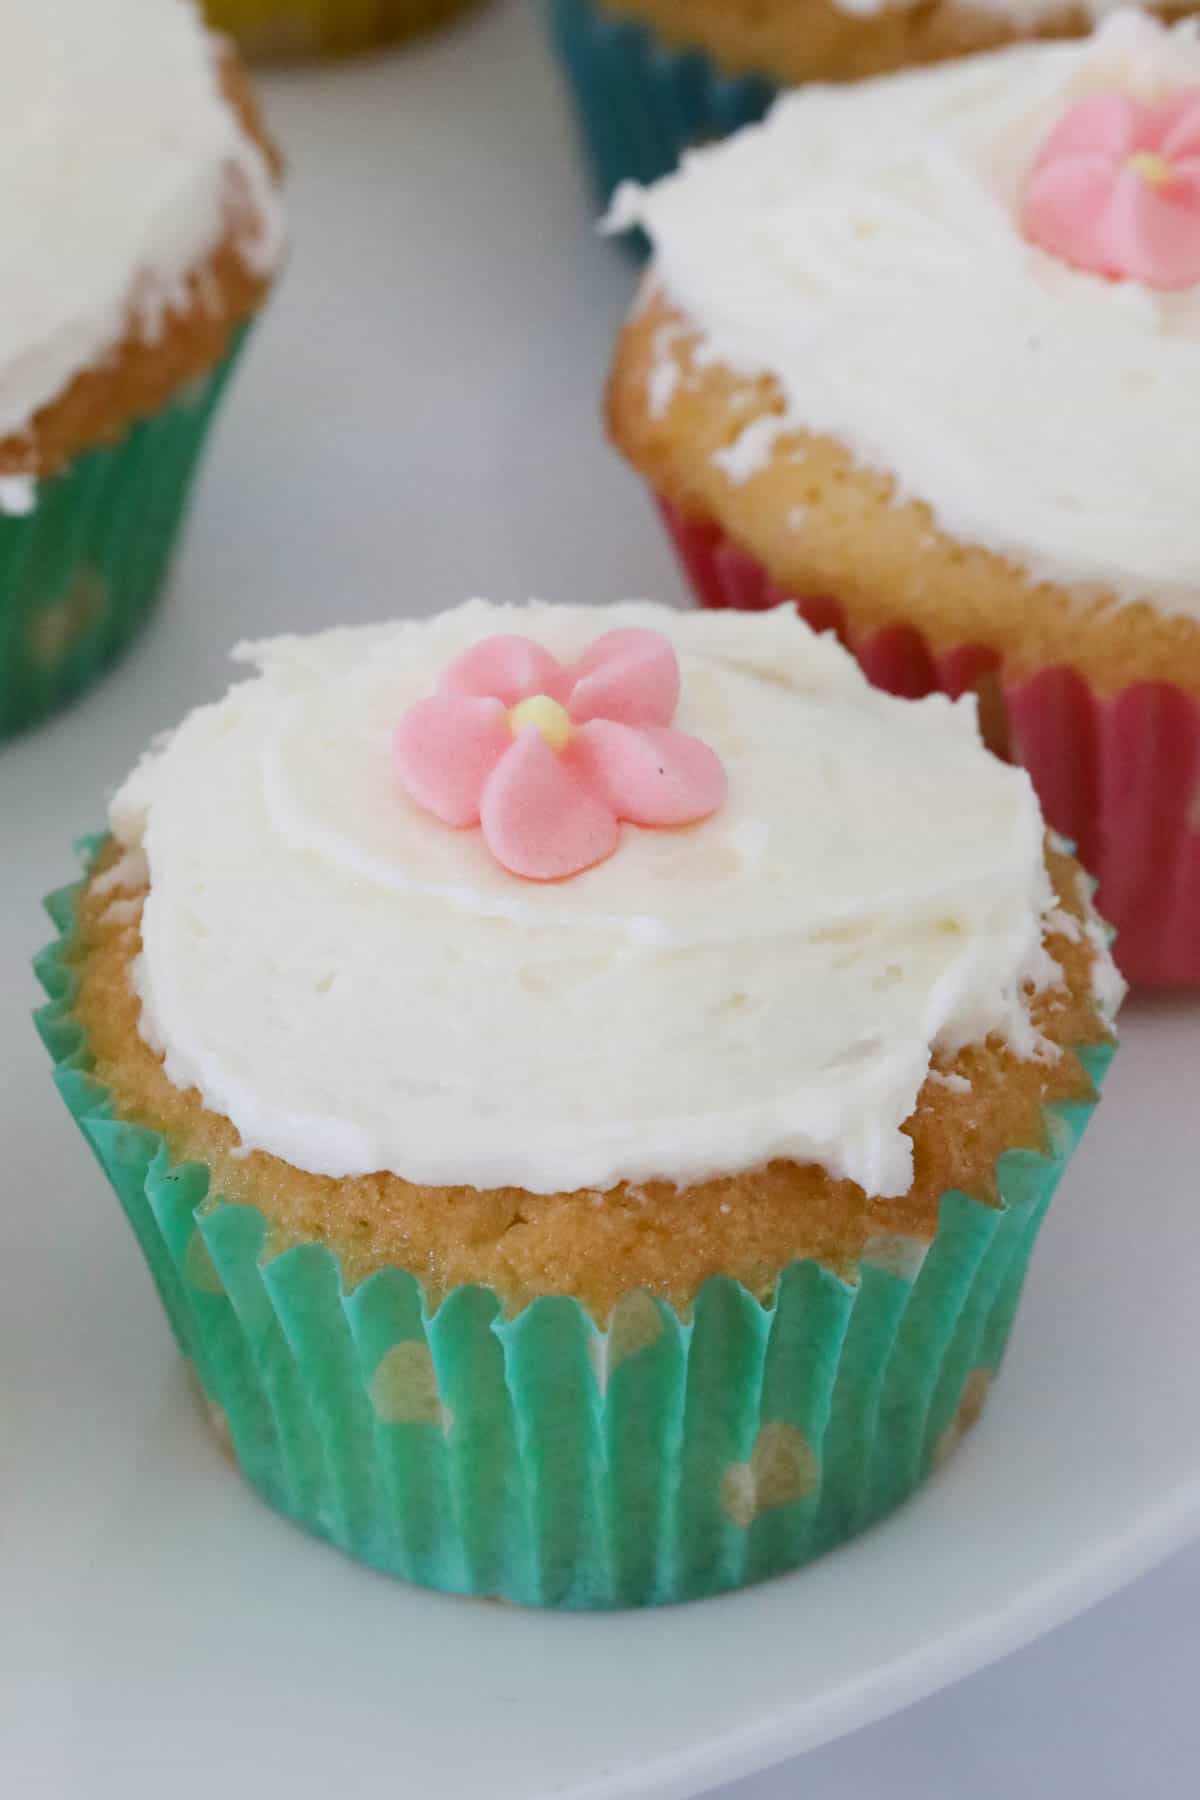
(651, 78)
(292, 28)
(586, 1083)
(924, 354)
(141, 232)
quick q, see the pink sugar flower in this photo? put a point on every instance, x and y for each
(1116, 189)
(547, 760)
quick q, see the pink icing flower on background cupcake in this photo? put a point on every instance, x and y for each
(547, 761)
(1116, 189)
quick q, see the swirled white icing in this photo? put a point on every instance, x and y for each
(124, 168)
(359, 987)
(863, 246)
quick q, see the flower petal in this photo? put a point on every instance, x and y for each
(1184, 189)
(539, 819)
(1178, 125)
(1066, 210)
(507, 667)
(445, 748)
(630, 675)
(1154, 236)
(649, 775)
(1112, 125)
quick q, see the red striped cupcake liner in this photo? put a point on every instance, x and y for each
(1118, 774)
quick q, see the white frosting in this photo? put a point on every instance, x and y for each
(863, 246)
(947, 1078)
(18, 495)
(1109, 986)
(121, 163)
(122, 912)
(358, 987)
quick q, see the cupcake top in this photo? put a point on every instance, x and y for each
(1022, 15)
(982, 279)
(399, 917)
(125, 168)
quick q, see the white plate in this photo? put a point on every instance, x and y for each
(418, 420)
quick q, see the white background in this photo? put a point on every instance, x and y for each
(417, 420)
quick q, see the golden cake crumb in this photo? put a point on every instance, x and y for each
(285, 30)
(817, 40)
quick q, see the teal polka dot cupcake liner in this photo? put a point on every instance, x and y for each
(81, 570)
(535, 1458)
(640, 103)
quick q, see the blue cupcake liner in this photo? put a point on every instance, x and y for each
(640, 103)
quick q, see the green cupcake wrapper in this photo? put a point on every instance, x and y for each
(641, 103)
(534, 1458)
(80, 574)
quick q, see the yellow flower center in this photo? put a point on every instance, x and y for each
(1154, 169)
(551, 719)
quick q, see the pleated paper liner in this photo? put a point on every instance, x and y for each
(286, 29)
(640, 104)
(535, 1458)
(1118, 774)
(81, 572)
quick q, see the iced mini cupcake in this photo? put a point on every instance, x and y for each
(294, 28)
(652, 78)
(586, 1083)
(141, 231)
(925, 355)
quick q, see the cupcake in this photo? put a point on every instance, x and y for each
(924, 355)
(651, 78)
(292, 28)
(586, 1083)
(142, 230)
